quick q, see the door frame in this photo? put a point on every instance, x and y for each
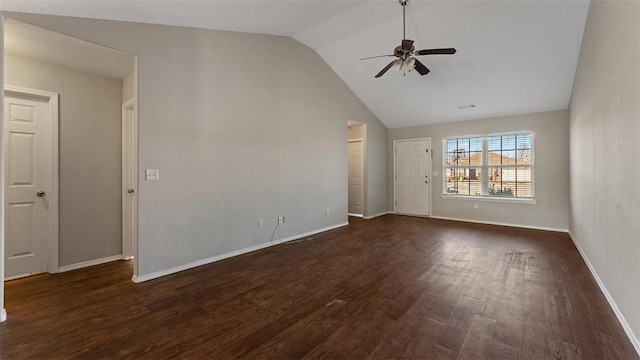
(395, 177)
(129, 171)
(362, 164)
(52, 99)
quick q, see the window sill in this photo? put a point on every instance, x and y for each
(529, 201)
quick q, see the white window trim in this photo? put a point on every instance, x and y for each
(487, 198)
(520, 200)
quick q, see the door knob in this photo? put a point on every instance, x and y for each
(131, 191)
(40, 193)
(426, 182)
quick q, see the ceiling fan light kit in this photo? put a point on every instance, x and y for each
(406, 52)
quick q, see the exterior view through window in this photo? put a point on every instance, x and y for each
(498, 165)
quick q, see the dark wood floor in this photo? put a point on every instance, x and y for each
(392, 287)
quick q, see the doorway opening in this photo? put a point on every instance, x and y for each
(356, 180)
(96, 87)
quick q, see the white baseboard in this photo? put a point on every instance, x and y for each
(501, 224)
(368, 217)
(191, 265)
(85, 264)
(625, 325)
(9, 278)
(355, 215)
(3, 315)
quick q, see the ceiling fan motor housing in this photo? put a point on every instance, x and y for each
(399, 52)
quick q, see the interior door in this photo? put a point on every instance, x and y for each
(356, 167)
(129, 179)
(27, 185)
(413, 166)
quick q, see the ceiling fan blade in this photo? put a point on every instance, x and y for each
(420, 68)
(385, 69)
(373, 57)
(406, 44)
(449, 51)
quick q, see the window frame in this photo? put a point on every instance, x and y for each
(485, 169)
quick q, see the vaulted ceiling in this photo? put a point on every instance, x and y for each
(513, 57)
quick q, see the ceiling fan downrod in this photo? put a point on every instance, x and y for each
(404, 26)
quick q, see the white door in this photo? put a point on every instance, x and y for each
(129, 179)
(356, 167)
(27, 179)
(412, 163)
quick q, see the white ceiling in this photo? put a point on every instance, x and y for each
(513, 57)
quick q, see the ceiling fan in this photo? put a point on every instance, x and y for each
(406, 52)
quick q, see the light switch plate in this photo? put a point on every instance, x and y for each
(152, 174)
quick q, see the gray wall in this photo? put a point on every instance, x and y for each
(605, 170)
(376, 169)
(90, 156)
(551, 175)
(242, 127)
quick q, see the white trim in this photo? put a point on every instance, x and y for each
(191, 265)
(52, 99)
(3, 311)
(136, 107)
(485, 167)
(429, 173)
(545, 228)
(355, 215)
(625, 325)
(513, 200)
(9, 278)
(85, 264)
(368, 217)
(54, 222)
(518, 132)
(413, 215)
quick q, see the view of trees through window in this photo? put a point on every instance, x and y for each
(493, 165)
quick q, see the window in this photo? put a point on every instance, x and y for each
(499, 165)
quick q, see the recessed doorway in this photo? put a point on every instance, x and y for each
(91, 83)
(356, 180)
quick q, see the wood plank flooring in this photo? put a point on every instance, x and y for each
(391, 287)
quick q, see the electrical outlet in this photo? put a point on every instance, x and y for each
(328, 211)
(280, 219)
(475, 205)
(260, 224)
